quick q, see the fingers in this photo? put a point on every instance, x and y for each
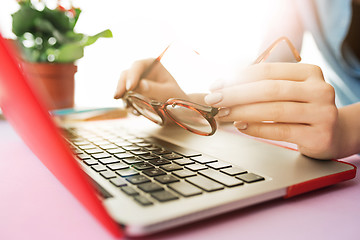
(130, 78)
(280, 112)
(135, 73)
(294, 133)
(260, 91)
(121, 88)
(274, 71)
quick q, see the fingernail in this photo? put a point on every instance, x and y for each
(128, 84)
(223, 112)
(241, 125)
(213, 98)
(216, 85)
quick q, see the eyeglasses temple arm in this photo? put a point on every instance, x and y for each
(152, 65)
(267, 52)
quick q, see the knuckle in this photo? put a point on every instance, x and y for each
(325, 92)
(330, 115)
(276, 112)
(283, 132)
(313, 70)
(316, 70)
(266, 69)
(272, 88)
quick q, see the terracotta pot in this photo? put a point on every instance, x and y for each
(53, 81)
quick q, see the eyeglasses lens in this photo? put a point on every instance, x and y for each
(145, 109)
(189, 118)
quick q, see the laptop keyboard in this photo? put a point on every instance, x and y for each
(150, 170)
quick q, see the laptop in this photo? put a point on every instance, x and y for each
(137, 178)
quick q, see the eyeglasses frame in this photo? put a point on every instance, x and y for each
(207, 112)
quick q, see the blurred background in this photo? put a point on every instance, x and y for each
(227, 34)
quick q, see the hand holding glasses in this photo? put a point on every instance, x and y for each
(191, 116)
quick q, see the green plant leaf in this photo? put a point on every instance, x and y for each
(67, 53)
(46, 26)
(23, 20)
(91, 39)
(58, 19)
(77, 14)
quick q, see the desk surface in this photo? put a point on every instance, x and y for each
(35, 205)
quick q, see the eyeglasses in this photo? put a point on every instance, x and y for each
(193, 117)
(268, 51)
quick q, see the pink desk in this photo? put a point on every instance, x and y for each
(34, 205)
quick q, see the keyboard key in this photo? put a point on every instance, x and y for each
(138, 179)
(81, 142)
(77, 151)
(232, 171)
(109, 160)
(123, 155)
(100, 155)
(108, 174)
(183, 161)
(116, 150)
(250, 177)
(83, 156)
(87, 146)
(90, 162)
(129, 191)
(185, 189)
(154, 172)
(121, 143)
(99, 167)
(108, 146)
(186, 152)
(118, 182)
(221, 177)
(164, 196)
(143, 200)
(140, 153)
(160, 151)
(166, 179)
(117, 166)
(184, 173)
(142, 166)
(127, 172)
(93, 151)
(204, 159)
(150, 187)
(99, 141)
(205, 183)
(149, 157)
(158, 162)
(144, 144)
(132, 160)
(218, 165)
(171, 167)
(172, 156)
(195, 167)
(131, 148)
(154, 149)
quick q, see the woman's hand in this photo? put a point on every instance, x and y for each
(158, 84)
(283, 101)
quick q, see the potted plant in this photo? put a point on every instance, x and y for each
(49, 48)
